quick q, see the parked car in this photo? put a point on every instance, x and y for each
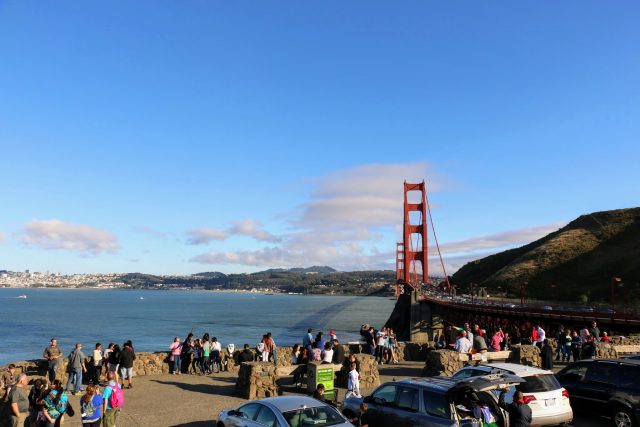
(548, 400)
(283, 411)
(609, 387)
(635, 356)
(547, 307)
(432, 401)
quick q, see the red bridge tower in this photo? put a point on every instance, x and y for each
(414, 266)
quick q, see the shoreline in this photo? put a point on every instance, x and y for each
(222, 291)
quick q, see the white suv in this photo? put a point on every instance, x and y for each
(548, 400)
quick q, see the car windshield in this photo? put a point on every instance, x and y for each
(319, 416)
(539, 383)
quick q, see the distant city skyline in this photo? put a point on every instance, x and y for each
(180, 138)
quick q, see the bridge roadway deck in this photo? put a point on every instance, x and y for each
(535, 312)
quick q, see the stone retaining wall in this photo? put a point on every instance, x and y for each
(257, 380)
(442, 362)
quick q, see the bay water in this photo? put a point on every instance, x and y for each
(151, 319)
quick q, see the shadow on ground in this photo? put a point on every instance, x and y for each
(400, 370)
(225, 390)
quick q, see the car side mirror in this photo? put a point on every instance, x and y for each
(368, 399)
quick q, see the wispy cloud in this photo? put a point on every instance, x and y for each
(368, 195)
(204, 235)
(500, 240)
(2, 236)
(252, 229)
(56, 234)
(247, 227)
(144, 229)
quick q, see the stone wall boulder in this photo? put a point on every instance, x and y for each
(257, 380)
(528, 355)
(415, 352)
(442, 362)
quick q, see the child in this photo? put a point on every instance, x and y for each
(353, 384)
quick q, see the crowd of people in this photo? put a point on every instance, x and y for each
(380, 343)
(110, 370)
(45, 403)
(577, 343)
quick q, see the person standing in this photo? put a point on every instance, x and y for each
(546, 354)
(479, 343)
(175, 349)
(8, 379)
(353, 382)
(269, 346)
(19, 401)
(519, 412)
(91, 406)
(338, 353)
(576, 346)
(97, 364)
(127, 356)
(496, 340)
(540, 336)
(463, 345)
(76, 368)
(105, 359)
(307, 340)
(562, 341)
(216, 349)
(206, 353)
(594, 331)
(52, 355)
(111, 404)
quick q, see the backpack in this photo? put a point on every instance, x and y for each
(116, 399)
(87, 408)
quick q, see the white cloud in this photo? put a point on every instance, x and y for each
(247, 227)
(56, 234)
(202, 236)
(251, 228)
(369, 195)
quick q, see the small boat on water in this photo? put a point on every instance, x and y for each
(141, 297)
(23, 296)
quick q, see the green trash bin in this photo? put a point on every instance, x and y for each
(318, 373)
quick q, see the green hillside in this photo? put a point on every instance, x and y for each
(574, 263)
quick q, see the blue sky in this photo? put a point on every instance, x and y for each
(177, 137)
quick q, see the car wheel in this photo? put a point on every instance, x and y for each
(219, 424)
(622, 417)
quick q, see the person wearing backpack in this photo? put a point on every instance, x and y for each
(91, 407)
(113, 400)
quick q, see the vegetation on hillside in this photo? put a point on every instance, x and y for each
(575, 263)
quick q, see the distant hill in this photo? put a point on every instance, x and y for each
(315, 269)
(210, 275)
(576, 262)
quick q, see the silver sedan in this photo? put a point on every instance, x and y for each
(283, 411)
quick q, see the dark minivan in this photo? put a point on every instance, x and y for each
(608, 387)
